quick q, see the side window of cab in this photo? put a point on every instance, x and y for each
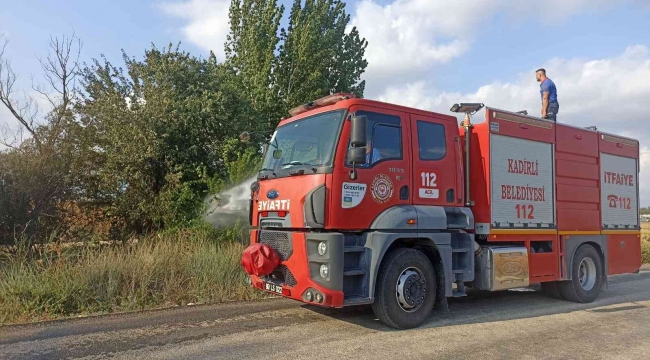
(384, 138)
(431, 140)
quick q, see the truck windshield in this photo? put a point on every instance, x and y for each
(306, 142)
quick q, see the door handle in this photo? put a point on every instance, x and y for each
(404, 193)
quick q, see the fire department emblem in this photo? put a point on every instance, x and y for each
(382, 188)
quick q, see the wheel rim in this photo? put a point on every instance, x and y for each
(587, 274)
(410, 289)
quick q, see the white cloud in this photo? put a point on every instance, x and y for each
(207, 22)
(406, 38)
(611, 94)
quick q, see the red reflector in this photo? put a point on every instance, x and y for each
(286, 292)
(265, 213)
(258, 284)
(578, 136)
(282, 213)
(619, 145)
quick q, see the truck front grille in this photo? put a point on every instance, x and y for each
(282, 275)
(280, 241)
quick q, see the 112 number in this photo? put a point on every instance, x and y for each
(525, 211)
(429, 179)
(624, 203)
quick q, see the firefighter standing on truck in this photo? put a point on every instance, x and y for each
(548, 92)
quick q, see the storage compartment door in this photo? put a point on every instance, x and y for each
(623, 254)
(522, 183)
(619, 192)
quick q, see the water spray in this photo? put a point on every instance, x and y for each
(229, 206)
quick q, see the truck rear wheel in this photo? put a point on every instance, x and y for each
(586, 276)
(406, 289)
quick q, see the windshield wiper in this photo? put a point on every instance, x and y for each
(300, 171)
(297, 163)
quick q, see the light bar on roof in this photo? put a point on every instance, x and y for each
(324, 101)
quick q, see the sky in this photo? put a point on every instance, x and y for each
(427, 54)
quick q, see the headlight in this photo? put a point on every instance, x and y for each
(324, 271)
(322, 248)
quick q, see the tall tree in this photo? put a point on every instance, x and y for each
(60, 70)
(317, 57)
(250, 53)
(35, 172)
(313, 57)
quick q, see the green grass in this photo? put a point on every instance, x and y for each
(186, 266)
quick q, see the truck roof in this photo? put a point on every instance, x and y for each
(344, 104)
(522, 116)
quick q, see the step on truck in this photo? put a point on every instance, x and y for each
(365, 202)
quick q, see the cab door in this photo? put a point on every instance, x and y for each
(435, 161)
(382, 182)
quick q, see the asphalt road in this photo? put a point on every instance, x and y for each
(513, 324)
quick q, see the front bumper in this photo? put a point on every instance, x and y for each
(299, 269)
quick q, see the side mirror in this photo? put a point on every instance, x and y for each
(357, 155)
(265, 148)
(358, 131)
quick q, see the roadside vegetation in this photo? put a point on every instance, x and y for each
(176, 268)
(645, 243)
(103, 191)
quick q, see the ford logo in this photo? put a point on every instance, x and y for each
(272, 194)
(511, 268)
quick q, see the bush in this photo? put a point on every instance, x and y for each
(645, 250)
(175, 268)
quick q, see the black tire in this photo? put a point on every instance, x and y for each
(572, 290)
(551, 290)
(387, 307)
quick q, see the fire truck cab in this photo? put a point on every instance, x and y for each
(365, 202)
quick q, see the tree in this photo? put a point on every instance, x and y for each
(60, 70)
(156, 135)
(317, 57)
(34, 174)
(139, 148)
(250, 54)
(313, 57)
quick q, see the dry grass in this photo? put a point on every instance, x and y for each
(645, 242)
(163, 270)
(188, 266)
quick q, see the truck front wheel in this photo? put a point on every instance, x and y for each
(406, 289)
(586, 276)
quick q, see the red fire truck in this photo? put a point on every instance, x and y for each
(365, 202)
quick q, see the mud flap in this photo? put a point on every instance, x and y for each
(441, 305)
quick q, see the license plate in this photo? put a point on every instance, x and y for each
(273, 288)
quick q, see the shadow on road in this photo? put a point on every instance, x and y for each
(485, 306)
